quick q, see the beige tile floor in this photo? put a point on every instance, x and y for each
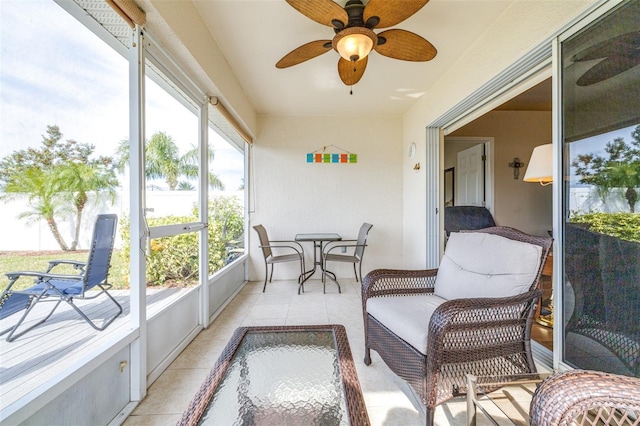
(388, 399)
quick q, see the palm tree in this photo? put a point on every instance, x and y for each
(163, 161)
(58, 178)
(621, 169)
(80, 179)
(45, 201)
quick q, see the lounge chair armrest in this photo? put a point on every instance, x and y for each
(76, 264)
(42, 276)
(387, 282)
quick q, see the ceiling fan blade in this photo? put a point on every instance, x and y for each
(321, 11)
(607, 68)
(626, 44)
(351, 72)
(405, 45)
(304, 53)
(391, 12)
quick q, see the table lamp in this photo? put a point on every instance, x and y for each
(540, 168)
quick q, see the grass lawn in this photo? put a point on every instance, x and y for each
(11, 261)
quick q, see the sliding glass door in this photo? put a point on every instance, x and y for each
(600, 125)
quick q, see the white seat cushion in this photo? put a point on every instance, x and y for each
(406, 316)
(476, 264)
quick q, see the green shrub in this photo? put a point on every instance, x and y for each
(173, 261)
(625, 226)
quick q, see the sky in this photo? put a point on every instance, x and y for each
(55, 71)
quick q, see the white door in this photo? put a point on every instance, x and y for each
(470, 177)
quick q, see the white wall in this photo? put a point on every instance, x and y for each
(292, 196)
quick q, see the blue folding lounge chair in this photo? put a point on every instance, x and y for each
(56, 288)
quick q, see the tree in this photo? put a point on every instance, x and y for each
(58, 178)
(620, 170)
(163, 161)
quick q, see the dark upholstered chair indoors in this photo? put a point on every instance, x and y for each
(291, 251)
(459, 218)
(584, 397)
(354, 249)
(473, 315)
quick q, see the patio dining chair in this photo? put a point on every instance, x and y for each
(356, 248)
(290, 251)
(51, 287)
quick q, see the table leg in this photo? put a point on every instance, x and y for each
(471, 397)
(308, 274)
(327, 273)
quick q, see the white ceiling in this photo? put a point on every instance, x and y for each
(254, 34)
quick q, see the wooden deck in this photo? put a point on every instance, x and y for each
(63, 341)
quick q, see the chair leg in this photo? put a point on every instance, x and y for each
(430, 414)
(266, 275)
(12, 331)
(367, 356)
(301, 277)
(87, 319)
(356, 272)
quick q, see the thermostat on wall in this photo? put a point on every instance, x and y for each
(412, 150)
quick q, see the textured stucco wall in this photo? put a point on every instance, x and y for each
(292, 196)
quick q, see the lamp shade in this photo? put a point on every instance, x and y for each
(354, 43)
(540, 168)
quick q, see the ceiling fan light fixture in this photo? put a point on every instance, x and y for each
(354, 43)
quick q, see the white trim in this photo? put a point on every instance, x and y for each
(557, 205)
(169, 68)
(73, 9)
(137, 235)
(434, 187)
(123, 414)
(175, 229)
(203, 212)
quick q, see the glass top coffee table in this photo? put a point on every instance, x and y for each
(502, 400)
(289, 375)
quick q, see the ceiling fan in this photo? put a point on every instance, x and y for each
(354, 38)
(616, 55)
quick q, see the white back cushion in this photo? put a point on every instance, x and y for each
(476, 264)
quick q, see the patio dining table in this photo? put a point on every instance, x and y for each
(318, 239)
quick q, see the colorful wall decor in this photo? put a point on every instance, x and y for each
(321, 156)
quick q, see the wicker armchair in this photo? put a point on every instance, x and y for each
(584, 397)
(480, 335)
